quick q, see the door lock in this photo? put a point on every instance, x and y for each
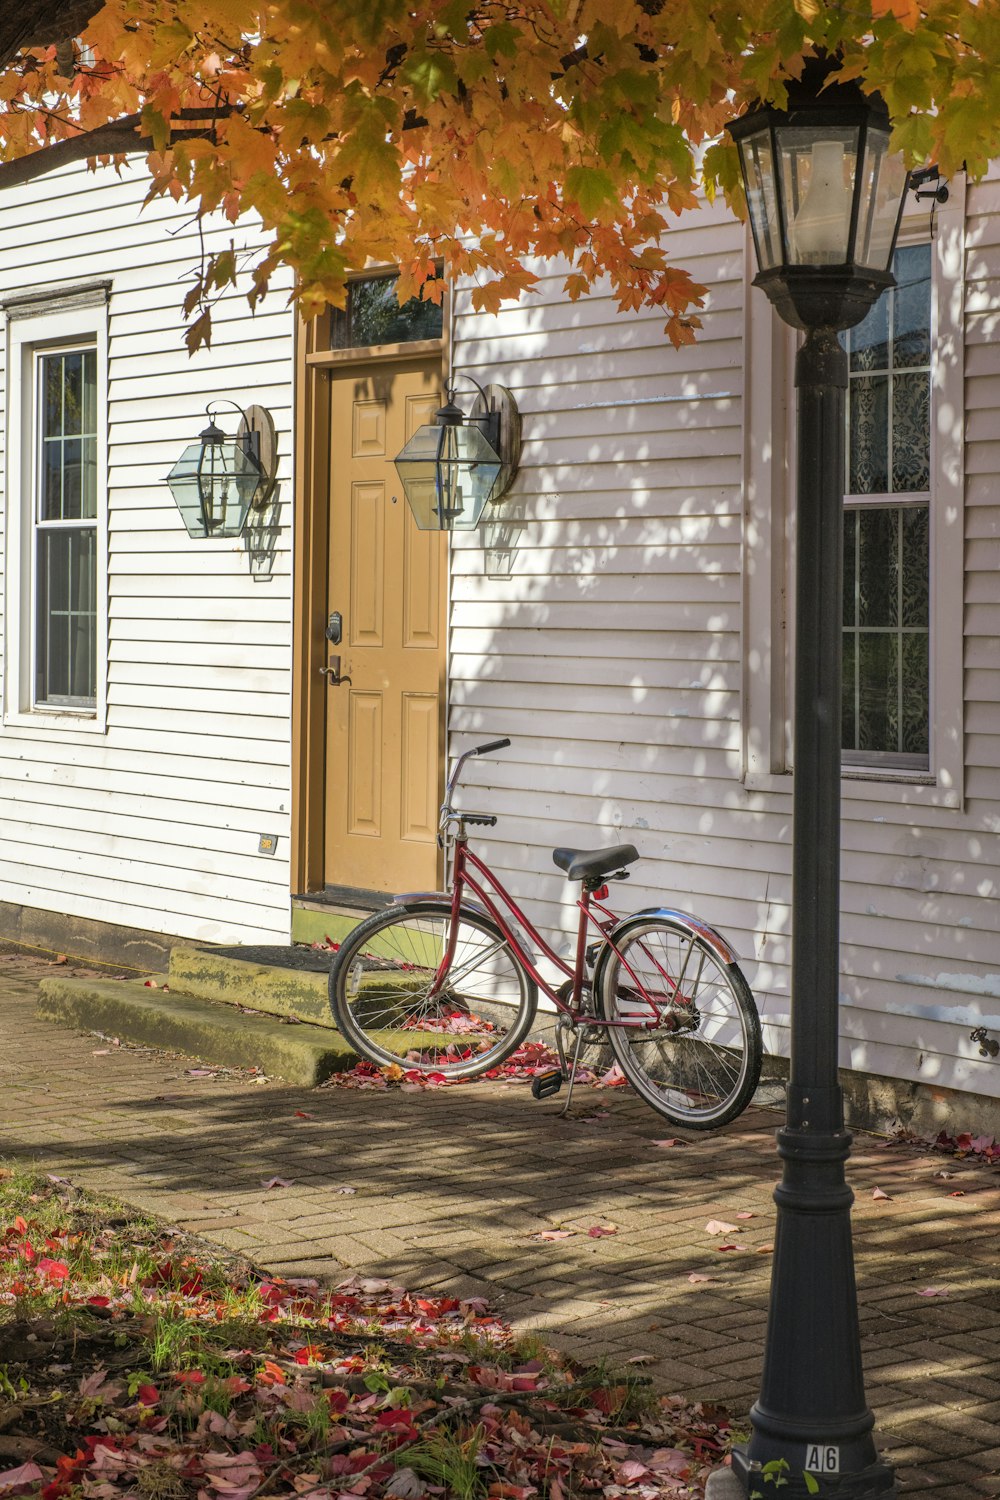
(335, 628)
(332, 673)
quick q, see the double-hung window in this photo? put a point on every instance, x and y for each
(886, 703)
(56, 511)
(902, 710)
(65, 527)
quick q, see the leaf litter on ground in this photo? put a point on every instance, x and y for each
(529, 1061)
(142, 1362)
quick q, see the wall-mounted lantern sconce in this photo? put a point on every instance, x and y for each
(453, 466)
(217, 480)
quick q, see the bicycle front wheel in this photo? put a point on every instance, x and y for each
(681, 1022)
(397, 999)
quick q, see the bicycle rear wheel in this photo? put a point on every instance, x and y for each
(684, 1026)
(393, 1003)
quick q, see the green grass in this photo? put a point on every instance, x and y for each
(143, 1332)
(450, 1459)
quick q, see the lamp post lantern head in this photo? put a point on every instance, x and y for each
(824, 195)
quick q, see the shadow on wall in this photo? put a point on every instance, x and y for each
(596, 618)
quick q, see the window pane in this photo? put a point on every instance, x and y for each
(878, 691)
(850, 567)
(68, 458)
(869, 341)
(911, 433)
(912, 306)
(916, 574)
(66, 616)
(50, 508)
(869, 419)
(374, 316)
(849, 724)
(73, 393)
(52, 388)
(916, 707)
(878, 567)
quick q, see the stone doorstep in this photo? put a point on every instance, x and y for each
(226, 1012)
(300, 994)
(219, 1035)
(294, 993)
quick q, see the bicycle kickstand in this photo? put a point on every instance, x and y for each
(577, 1044)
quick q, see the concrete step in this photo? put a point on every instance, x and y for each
(197, 1026)
(208, 974)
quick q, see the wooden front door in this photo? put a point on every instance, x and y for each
(387, 581)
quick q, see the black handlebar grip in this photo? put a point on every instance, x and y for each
(493, 745)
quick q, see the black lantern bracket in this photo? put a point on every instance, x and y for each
(495, 411)
(257, 433)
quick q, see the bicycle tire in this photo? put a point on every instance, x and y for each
(700, 1068)
(379, 984)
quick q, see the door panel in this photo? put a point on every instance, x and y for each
(388, 579)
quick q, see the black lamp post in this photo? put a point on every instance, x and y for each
(825, 198)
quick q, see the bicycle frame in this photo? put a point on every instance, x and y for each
(488, 887)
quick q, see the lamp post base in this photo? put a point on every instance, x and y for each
(744, 1480)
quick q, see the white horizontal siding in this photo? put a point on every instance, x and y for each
(612, 655)
(156, 823)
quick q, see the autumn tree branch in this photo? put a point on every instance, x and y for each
(118, 138)
(41, 23)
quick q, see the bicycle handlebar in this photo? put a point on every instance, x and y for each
(486, 749)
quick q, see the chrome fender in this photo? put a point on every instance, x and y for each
(713, 940)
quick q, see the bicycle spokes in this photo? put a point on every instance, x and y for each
(430, 994)
(683, 1025)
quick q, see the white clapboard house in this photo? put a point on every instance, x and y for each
(174, 762)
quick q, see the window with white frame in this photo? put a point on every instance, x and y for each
(56, 510)
(903, 528)
(65, 527)
(886, 703)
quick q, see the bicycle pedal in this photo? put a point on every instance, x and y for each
(544, 1085)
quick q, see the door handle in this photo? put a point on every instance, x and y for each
(332, 673)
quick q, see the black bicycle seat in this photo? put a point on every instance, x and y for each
(589, 864)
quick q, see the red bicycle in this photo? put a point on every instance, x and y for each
(448, 982)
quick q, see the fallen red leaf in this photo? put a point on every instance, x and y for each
(599, 1231)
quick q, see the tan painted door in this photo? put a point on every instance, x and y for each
(387, 579)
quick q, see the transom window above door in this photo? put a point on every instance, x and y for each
(374, 315)
(886, 703)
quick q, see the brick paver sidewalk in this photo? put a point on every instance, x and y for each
(452, 1187)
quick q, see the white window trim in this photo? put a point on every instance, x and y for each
(33, 326)
(769, 543)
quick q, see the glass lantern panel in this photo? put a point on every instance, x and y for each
(883, 183)
(757, 159)
(183, 482)
(817, 167)
(213, 488)
(448, 475)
